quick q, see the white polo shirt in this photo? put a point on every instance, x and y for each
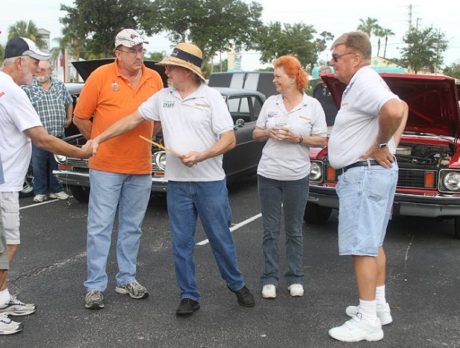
(191, 124)
(282, 160)
(16, 115)
(356, 125)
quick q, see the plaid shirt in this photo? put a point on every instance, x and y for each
(51, 105)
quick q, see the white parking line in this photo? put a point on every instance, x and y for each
(38, 204)
(235, 227)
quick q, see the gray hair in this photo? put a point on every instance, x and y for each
(11, 60)
(357, 41)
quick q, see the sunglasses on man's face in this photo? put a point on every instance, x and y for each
(336, 57)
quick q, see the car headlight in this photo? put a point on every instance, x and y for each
(60, 158)
(159, 159)
(451, 181)
(316, 171)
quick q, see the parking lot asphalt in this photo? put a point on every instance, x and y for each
(423, 286)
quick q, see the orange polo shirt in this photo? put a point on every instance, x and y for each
(108, 97)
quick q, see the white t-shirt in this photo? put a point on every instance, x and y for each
(16, 115)
(356, 125)
(282, 160)
(190, 124)
(1, 172)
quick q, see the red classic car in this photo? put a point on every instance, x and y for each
(428, 154)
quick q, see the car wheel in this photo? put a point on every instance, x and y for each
(80, 193)
(457, 227)
(28, 186)
(315, 214)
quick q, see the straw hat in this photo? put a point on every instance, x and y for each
(186, 55)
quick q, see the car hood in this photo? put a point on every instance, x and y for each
(433, 101)
(86, 67)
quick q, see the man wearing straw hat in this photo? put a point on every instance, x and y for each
(198, 130)
(121, 173)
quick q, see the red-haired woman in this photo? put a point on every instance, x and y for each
(291, 122)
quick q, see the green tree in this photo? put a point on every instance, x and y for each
(321, 42)
(90, 26)
(278, 39)
(386, 33)
(452, 70)
(2, 53)
(26, 29)
(379, 33)
(425, 48)
(368, 25)
(213, 25)
(156, 56)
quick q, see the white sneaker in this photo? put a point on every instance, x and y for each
(296, 290)
(269, 291)
(8, 326)
(39, 198)
(59, 195)
(383, 314)
(357, 329)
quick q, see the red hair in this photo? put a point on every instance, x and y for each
(293, 69)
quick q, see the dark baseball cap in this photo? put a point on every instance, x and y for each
(21, 46)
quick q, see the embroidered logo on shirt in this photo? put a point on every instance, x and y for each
(307, 119)
(168, 104)
(115, 86)
(201, 105)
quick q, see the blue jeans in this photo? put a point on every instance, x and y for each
(43, 164)
(292, 195)
(109, 191)
(209, 201)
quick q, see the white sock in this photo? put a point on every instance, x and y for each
(380, 296)
(368, 309)
(4, 298)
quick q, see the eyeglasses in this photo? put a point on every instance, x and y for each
(336, 57)
(133, 52)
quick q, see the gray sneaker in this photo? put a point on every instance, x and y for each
(133, 289)
(8, 326)
(94, 299)
(17, 308)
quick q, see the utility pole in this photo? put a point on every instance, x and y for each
(410, 17)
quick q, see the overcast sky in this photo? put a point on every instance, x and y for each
(334, 16)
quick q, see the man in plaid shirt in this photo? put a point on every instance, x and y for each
(54, 105)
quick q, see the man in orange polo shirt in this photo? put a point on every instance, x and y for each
(120, 173)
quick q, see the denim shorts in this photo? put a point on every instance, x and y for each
(365, 201)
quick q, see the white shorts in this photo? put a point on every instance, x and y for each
(9, 202)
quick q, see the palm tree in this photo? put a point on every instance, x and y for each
(386, 33)
(378, 32)
(368, 25)
(26, 29)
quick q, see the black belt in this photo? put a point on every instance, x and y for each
(359, 164)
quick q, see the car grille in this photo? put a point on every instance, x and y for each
(413, 178)
(77, 162)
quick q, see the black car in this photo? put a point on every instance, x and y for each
(244, 106)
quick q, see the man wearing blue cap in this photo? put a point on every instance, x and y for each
(19, 125)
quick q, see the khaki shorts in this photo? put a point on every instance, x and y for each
(3, 250)
(9, 206)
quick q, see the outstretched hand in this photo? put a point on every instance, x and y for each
(88, 149)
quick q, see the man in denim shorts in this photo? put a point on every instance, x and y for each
(361, 147)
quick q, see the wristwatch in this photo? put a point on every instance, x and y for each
(381, 146)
